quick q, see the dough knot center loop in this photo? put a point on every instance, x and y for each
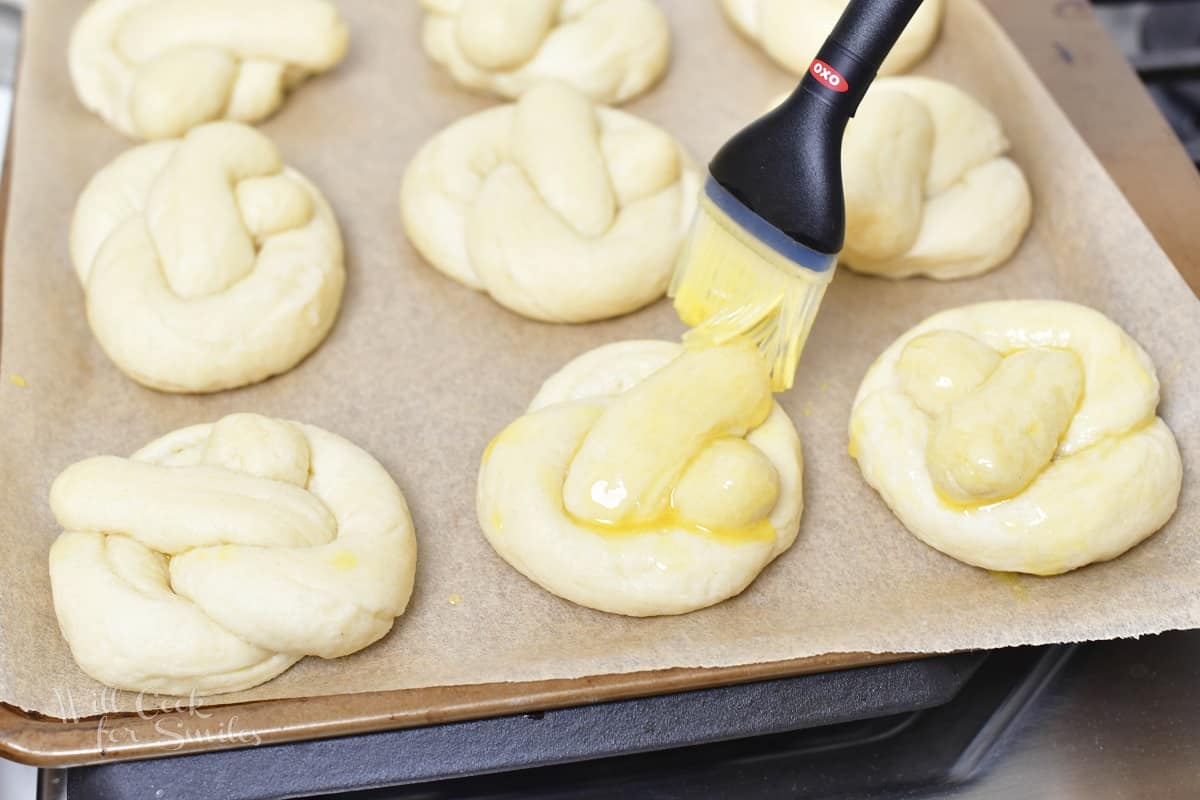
(674, 444)
(219, 196)
(997, 421)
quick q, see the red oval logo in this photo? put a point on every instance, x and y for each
(828, 76)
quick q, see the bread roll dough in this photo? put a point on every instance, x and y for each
(219, 555)
(645, 479)
(560, 210)
(207, 263)
(928, 189)
(792, 31)
(153, 69)
(1018, 436)
(611, 50)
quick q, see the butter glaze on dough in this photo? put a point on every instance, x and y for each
(611, 50)
(1018, 436)
(614, 412)
(153, 69)
(207, 264)
(219, 555)
(561, 210)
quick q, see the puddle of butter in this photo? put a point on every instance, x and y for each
(761, 531)
(1013, 580)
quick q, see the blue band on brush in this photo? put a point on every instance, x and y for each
(758, 228)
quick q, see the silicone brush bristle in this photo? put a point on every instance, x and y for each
(729, 284)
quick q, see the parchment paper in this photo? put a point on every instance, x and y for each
(422, 372)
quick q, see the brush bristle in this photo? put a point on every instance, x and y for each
(728, 285)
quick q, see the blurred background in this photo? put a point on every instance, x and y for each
(1161, 39)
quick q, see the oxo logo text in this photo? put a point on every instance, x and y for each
(828, 76)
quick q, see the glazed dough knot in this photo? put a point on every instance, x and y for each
(156, 68)
(207, 263)
(997, 420)
(928, 189)
(646, 479)
(649, 454)
(792, 31)
(241, 548)
(611, 50)
(1018, 436)
(562, 211)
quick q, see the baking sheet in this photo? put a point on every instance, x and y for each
(422, 372)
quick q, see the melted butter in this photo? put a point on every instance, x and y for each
(991, 442)
(495, 519)
(344, 560)
(641, 443)
(761, 531)
(487, 451)
(1013, 580)
(18, 381)
(855, 433)
(959, 507)
(513, 434)
(454, 599)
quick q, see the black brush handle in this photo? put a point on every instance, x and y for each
(787, 166)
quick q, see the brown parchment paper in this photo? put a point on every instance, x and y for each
(423, 372)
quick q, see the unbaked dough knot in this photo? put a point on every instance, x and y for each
(156, 68)
(207, 263)
(928, 187)
(233, 562)
(562, 210)
(611, 50)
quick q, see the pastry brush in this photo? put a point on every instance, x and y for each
(771, 219)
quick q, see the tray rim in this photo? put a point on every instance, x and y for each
(47, 741)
